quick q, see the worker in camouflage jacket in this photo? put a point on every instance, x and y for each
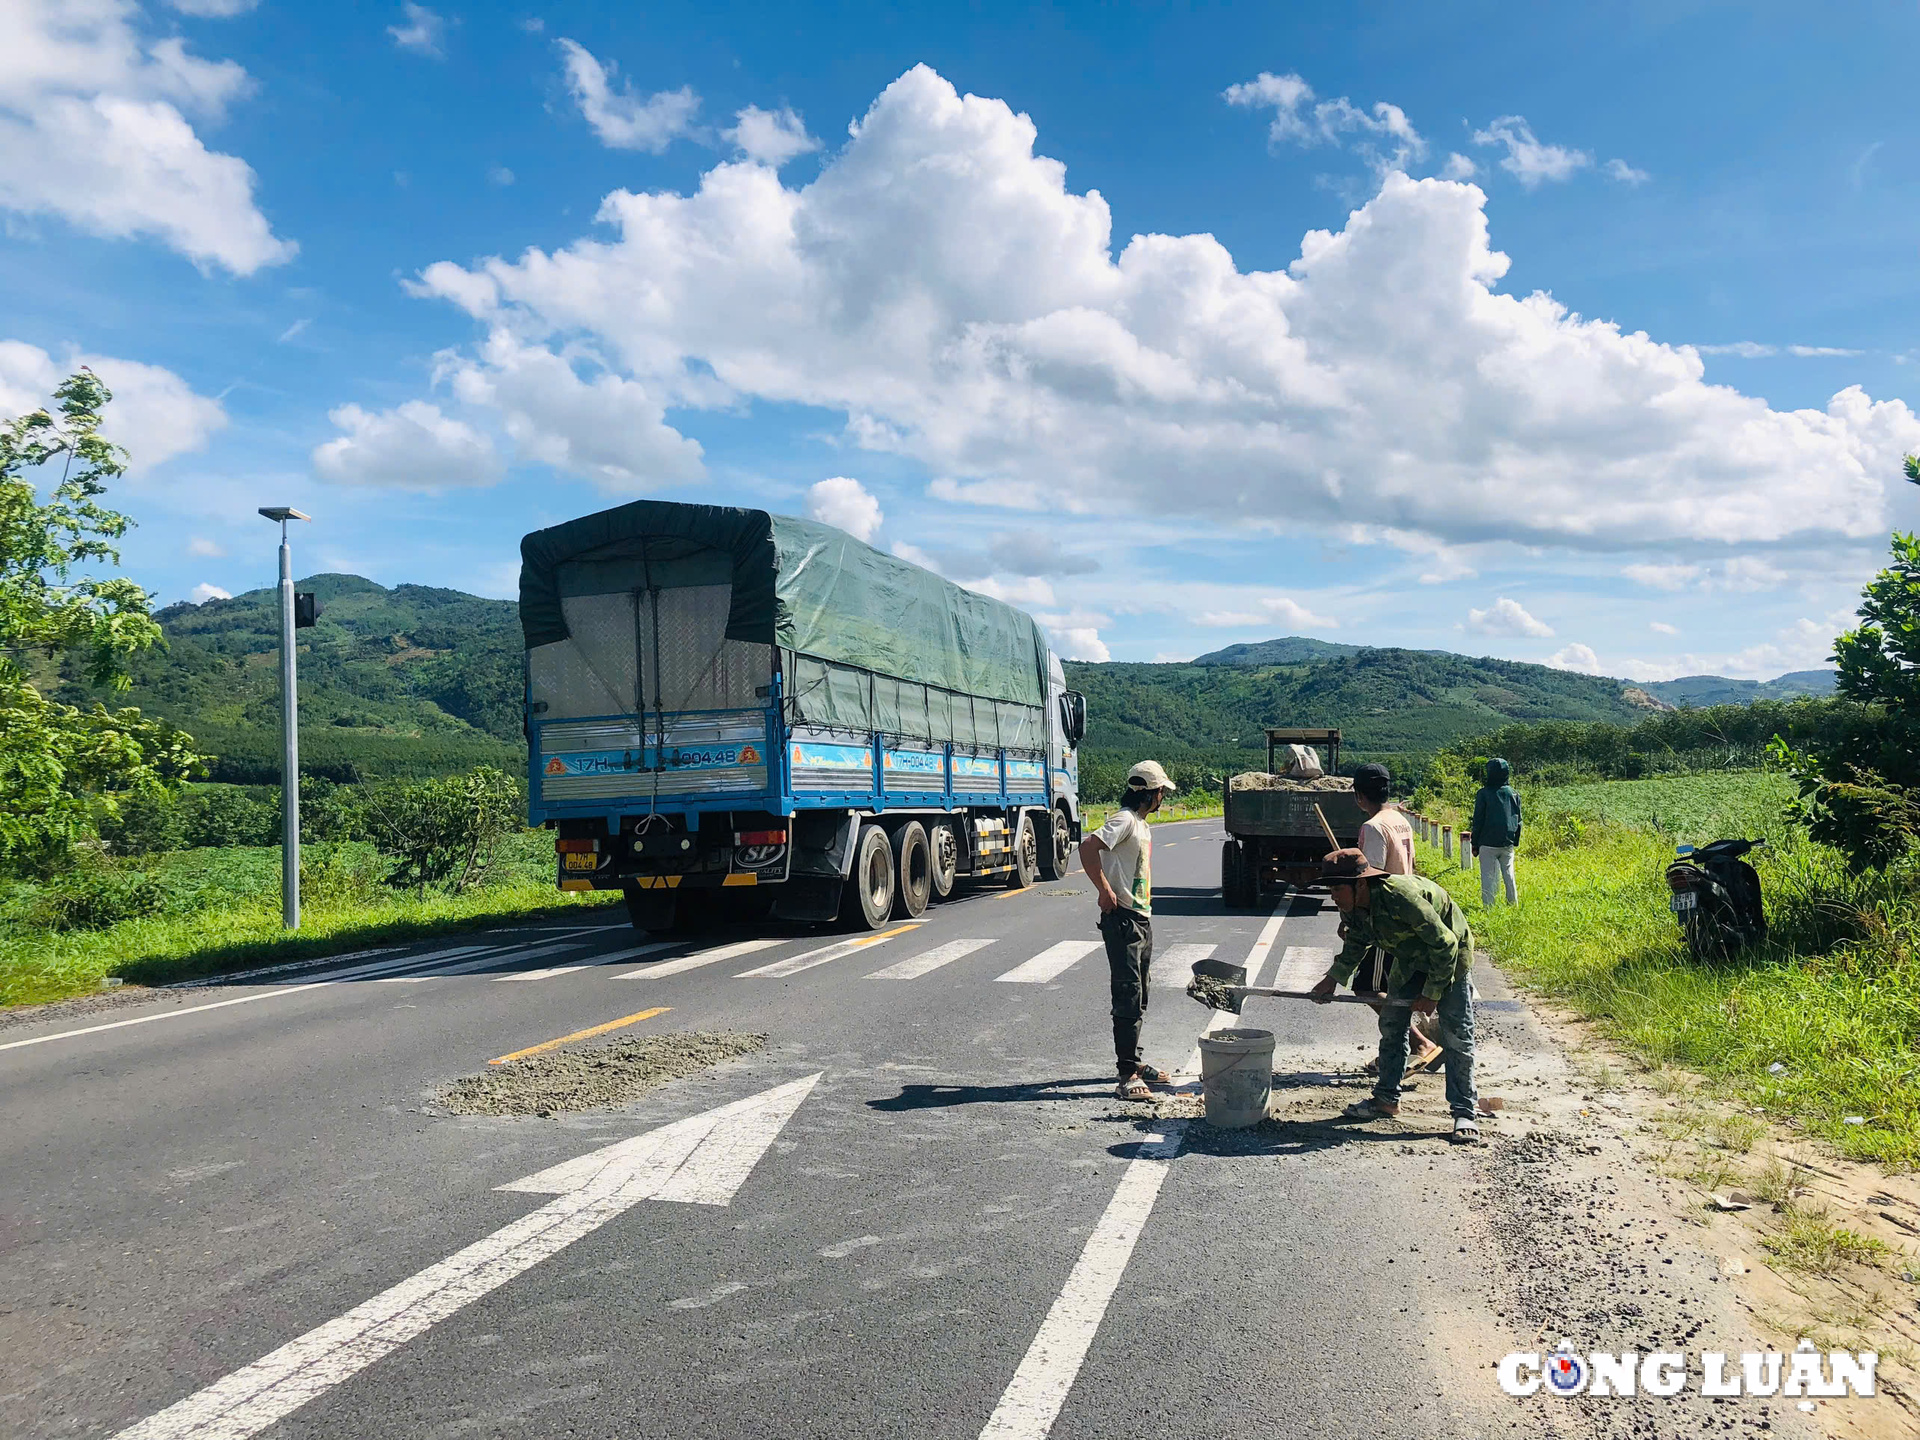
(1430, 952)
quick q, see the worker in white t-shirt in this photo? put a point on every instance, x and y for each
(1387, 839)
(1118, 858)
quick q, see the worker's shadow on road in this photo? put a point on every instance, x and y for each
(941, 1097)
(1271, 1138)
(1205, 900)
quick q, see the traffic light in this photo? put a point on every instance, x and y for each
(306, 610)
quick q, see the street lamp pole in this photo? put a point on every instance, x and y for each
(289, 730)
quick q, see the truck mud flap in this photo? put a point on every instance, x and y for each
(808, 897)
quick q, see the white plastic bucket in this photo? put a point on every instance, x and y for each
(1236, 1076)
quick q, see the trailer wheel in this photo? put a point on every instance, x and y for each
(1057, 854)
(912, 870)
(945, 864)
(1026, 854)
(868, 899)
(653, 911)
(1239, 890)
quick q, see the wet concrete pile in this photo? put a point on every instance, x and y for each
(600, 1078)
(1214, 993)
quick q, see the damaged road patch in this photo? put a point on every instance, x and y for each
(600, 1078)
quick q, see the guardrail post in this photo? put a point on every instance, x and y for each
(1446, 841)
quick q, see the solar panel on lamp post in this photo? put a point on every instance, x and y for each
(289, 729)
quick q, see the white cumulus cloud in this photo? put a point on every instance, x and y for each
(849, 506)
(208, 549)
(1621, 171)
(620, 118)
(204, 592)
(1272, 610)
(423, 32)
(1575, 657)
(213, 9)
(941, 288)
(154, 413)
(1300, 119)
(1079, 642)
(1506, 617)
(771, 137)
(1660, 627)
(608, 429)
(411, 447)
(94, 129)
(1529, 160)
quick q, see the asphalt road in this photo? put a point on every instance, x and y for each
(956, 1232)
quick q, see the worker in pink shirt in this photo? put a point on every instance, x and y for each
(1387, 839)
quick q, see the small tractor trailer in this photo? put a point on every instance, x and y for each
(732, 710)
(1277, 827)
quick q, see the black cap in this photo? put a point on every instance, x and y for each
(1373, 781)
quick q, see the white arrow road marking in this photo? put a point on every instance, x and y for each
(494, 957)
(1174, 969)
(699, 1161)
(1052, 961)
(699, 958)
(914, 966)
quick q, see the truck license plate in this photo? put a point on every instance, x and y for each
(1684, 901)
(579, 860)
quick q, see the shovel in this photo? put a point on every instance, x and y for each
(1224, 987)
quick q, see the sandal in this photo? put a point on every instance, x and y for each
(1154, 1075)
(1132, 1087)
(1372, 1108)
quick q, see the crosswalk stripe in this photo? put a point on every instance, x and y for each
(1174, 969)
(497, 956)
(1052, 961)
(914, 966)
(1301, 967)
(807, 959)
(699, 958)
(591, 961)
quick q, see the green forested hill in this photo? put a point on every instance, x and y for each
(415, 680)
(407, 681)
(1386, 701)
(1703, 690)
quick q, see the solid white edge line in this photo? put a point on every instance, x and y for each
(168, 1014)
(1032, 1400)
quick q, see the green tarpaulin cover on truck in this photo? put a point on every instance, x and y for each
(810, 590)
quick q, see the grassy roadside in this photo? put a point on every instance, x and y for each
(1092, 817)
(1833, 997)
(219, 910)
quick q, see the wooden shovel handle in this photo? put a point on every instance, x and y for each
(1332, 842)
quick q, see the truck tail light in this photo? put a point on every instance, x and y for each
(760, 837)
(575, 847)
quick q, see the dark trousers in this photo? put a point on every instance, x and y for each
(1129, 937)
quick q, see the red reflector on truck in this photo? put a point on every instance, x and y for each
(575, 847)
(760, 837)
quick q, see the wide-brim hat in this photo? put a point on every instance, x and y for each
(1148, 775)
(1343, 867)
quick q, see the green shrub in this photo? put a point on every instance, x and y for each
(93, 898)
(148, 822)
(444, 832)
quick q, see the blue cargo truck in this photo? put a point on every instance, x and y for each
(728, 710)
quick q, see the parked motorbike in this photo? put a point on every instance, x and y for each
(1716, 898)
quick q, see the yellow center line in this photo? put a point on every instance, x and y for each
(587, 1034)
(888, 934)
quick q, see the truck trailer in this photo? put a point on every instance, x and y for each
(1277, 828)
(732, 710)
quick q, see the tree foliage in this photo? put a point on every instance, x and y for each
(444, 832)
(60, 601)
(1860, 788)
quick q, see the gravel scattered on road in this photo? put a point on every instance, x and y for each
(600, 1078)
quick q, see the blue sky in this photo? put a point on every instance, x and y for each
(1581, 337)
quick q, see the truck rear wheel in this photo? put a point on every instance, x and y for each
(1237, 890)
(1057, 854)
(912, 870)
(868, 900)
(653, 911)
(945, 866)
(1026, 853)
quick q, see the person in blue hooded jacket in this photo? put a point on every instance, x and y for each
(1496, 832)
